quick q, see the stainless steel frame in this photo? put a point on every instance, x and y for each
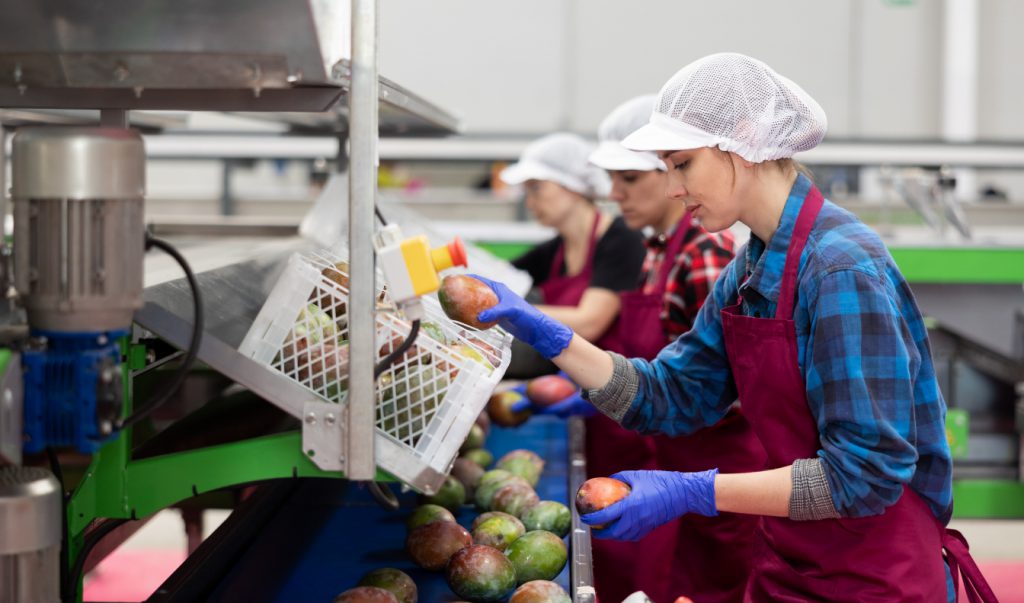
(581, 570)
(362, 198)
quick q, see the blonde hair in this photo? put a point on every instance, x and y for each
(787, 164)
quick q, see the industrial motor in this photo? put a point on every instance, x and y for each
(78, 247)
(30, 512)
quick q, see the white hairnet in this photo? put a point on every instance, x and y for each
(560, 158)
(620, 123)
(736, 103)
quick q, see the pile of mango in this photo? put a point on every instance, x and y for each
(513, 549)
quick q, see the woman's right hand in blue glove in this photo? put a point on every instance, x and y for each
(524, 322)
(656, 498)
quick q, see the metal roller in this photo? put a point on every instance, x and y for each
(30, 522)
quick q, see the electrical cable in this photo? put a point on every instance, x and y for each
(51, 454)
(384, 496)
(398, 352)
(193, 347)
(380, 216)
(90, 542)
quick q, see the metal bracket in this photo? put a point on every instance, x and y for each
(323, 437)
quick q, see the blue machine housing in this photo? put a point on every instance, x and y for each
(73, 390)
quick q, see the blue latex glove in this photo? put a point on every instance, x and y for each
(524, 322)
(570, 406)
(657, 498)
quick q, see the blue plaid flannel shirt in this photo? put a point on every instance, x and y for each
(863, 352)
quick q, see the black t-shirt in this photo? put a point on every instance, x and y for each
(618, 258)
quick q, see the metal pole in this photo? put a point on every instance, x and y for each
(362, 188)
(3, 189)
(227, 194)
(114, 118)
(961, 68)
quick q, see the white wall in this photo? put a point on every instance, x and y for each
(1001, 79)
(533, 66)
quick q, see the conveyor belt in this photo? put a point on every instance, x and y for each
(328, 534)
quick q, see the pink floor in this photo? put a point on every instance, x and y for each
(133, 575)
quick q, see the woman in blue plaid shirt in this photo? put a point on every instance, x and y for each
(813, 328)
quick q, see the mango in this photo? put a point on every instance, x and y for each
(468, 473)
(481, 574)
(537, 555)
(451, 495)
(463, 298)
(514, 498)
(489, 514)
(490, 484)
(431, 545)
(433, 331)
(467, 351)
(475, 438)
(599, 492)
(548, 515)
(498, 532)
(366, 594)
(480, 456)
(409, 399)
(527, 464)
(540, 591)
(484, 422)
(395, 581)
(499, 407)
(549, 389)
(425, 514)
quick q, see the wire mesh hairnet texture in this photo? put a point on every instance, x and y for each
(560, 158)
(620, 123)
(737, 103)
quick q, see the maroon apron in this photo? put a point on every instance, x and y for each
(620, 568)
(895, 556)
(711, 555)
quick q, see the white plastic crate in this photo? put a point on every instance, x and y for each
(427, 401)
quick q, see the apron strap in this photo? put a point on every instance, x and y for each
(804, 222)
(556, 262)
(960, 562)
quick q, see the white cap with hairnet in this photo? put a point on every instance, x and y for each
(736, 103)
(560, 158)
(620, 123)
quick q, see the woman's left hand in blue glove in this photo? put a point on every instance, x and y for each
(524, 322)
(573, 405)
(657, 497)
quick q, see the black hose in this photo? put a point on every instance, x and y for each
(395, 355)
(384, 496)
(193, 346)
(91, 540)
(51, 454)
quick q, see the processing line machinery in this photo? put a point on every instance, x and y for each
(84, 321)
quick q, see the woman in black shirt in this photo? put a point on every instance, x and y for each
(580, 272)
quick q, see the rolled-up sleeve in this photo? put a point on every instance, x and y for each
(861, 357)
(688, 386)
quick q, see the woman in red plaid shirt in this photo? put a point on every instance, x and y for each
(712, 554)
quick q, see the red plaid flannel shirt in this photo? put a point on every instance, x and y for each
(702, 257)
